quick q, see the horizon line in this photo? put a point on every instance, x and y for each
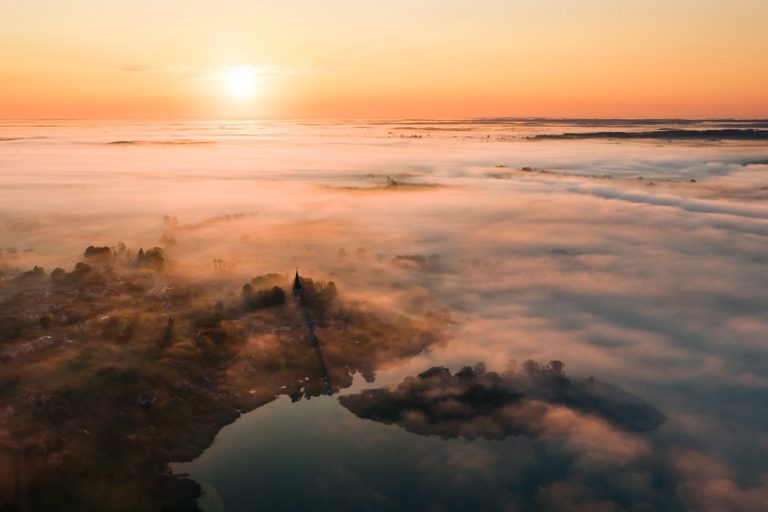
(395, 118)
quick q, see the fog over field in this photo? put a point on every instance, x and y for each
(642, 263)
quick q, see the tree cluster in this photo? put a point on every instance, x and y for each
(266, 298)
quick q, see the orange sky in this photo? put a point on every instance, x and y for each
(395, 58)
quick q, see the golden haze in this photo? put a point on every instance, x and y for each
(86, 59)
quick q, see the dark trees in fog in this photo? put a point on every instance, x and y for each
(267, 298)
(154, 258)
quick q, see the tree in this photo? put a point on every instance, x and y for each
(98, 254)
(556, 366)
(531, 367)
(329, 292)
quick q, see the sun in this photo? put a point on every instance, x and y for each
(241, 81)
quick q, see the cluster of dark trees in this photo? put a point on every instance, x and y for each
(266, 298)
(474, 402)
(533, 368)
(318, 293)
(83, 273)
(98, 254)
(35, 274)
(153, 258)
(269, 290)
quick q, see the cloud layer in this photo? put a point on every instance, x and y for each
(659, 289)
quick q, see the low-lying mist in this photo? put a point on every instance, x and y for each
(642, 264)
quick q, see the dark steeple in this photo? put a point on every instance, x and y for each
(297, 285)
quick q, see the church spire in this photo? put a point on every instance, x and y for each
(297, 284)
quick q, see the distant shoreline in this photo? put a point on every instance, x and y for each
(721, 134)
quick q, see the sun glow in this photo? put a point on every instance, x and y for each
(241, 81)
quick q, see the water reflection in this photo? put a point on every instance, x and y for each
(315, 455)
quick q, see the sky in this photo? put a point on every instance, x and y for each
(394, 58)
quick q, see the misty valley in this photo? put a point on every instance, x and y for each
(488, 314)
